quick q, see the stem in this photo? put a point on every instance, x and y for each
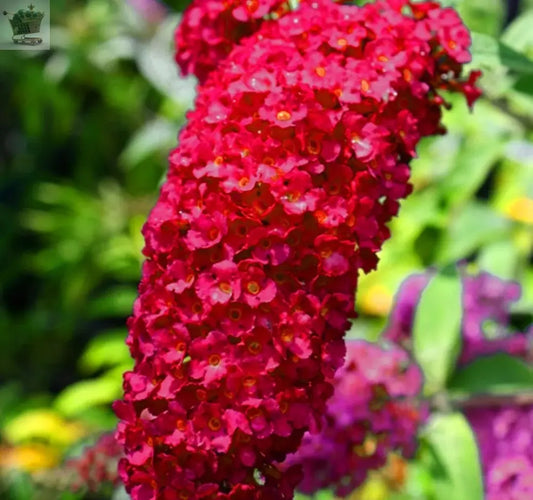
(443, 402)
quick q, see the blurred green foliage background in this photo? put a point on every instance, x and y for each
(85, 129)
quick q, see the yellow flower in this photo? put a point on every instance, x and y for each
(374, 488)
(376, 300)
(29, 457)
(520, 209)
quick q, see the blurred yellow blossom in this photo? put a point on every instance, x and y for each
(374, 488)
(376, 299)
(520, 209)
(45, 425)
(380, 484)
(29, 457)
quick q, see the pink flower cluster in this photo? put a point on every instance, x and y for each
(286, 174)
(486, 304)
(505, 439)
(373, 412)
(210, 28)
(96, 467)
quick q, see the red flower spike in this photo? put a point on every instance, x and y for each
(279, 192)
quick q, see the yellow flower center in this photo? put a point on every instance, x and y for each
(214, 360)
(249, 381)
(253, 287)
(254, 347)
(214, 424)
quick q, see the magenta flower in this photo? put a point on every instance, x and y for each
(373, 412)
(505, 439)
(486, 306)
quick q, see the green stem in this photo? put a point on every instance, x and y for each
(444, 402)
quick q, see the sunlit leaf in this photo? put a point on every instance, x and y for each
(491, 53)
(471, 227)
(519, 34)
(499, 258)
(453, 442)
(116, 301)
(105, 350)
(436, 330)
(78, 397)
(472, 165)
(156, 136)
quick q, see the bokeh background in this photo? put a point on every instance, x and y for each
(85, 129)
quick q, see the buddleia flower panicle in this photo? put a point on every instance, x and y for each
(288, 170)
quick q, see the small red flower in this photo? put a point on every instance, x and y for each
(220, 284)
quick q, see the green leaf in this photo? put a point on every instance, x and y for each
(454, 444)
(499, 258)
(524, 84)
(157, 136)
(491, 53)
(117, 301)
(471, 167)
(499, 373)
(519, 34)
(420, 482)
(69, 495)
(105, 350)
(98, 417)
(470, 228)
(319, 495)
(450, 3)
(419, 210)
(19, 486)
(437, 328)
(81, 396)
